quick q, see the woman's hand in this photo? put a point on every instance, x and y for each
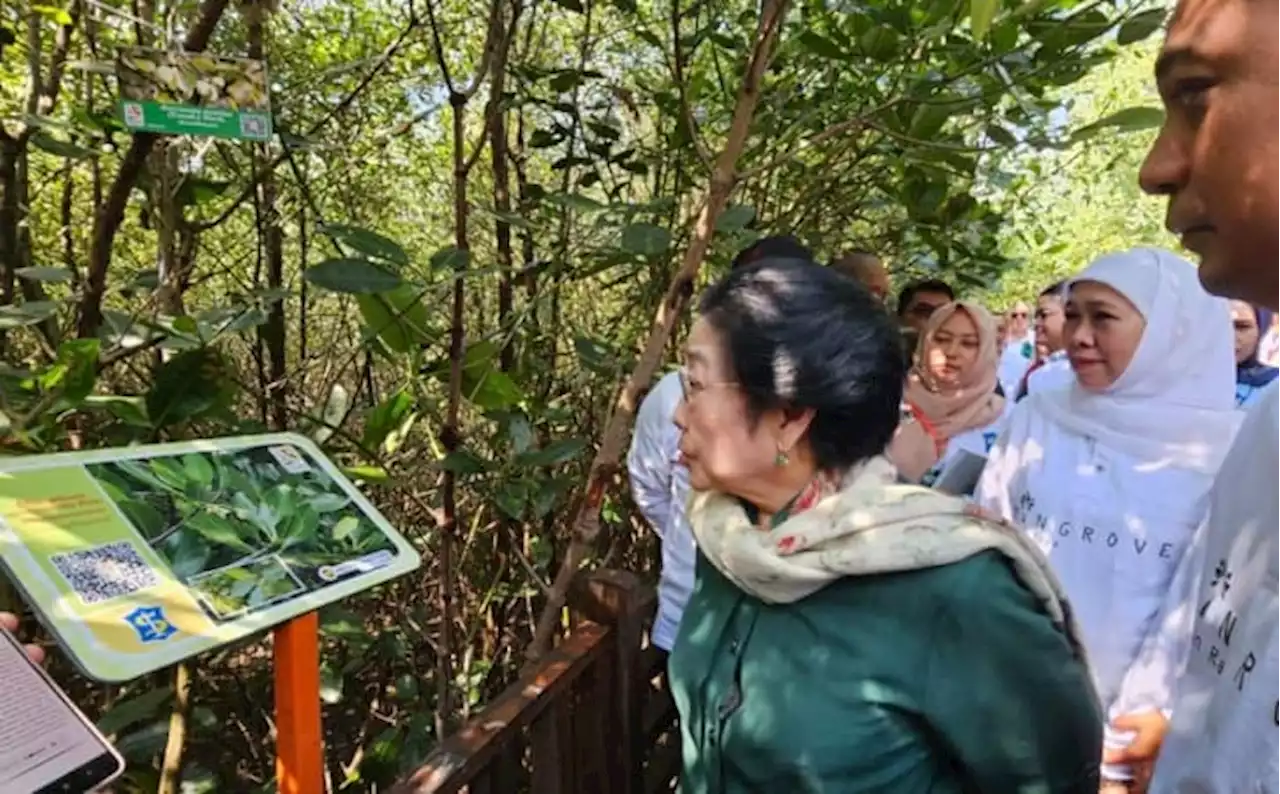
(1140, 754)
(10, 623)
(912, 450)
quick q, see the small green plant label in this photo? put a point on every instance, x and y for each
(186, 93)
(139, 558)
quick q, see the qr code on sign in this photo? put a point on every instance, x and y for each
(105, 572)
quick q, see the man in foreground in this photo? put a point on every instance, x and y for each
(1215, 159)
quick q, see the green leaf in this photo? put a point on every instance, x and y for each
(570, 5)
(198, 469)
(511, 500)
(50, 144)
(1001, 136)
(542, 139)
(483, 383)
(74, 370)
(596, 356)
(191, 384)
(544, 500)
(491, 390)
(463, 462)
(1129, 119)
(566, 80)
(352, 276)
(131, 711)
(981, 14)
(605, 131)
(26, 314)
(369, 243)
(194, 192)
(372, 474)
(575, 201)
(344, 527)
(398, 317)
(821, 46)
(555, 453)
(645, 239)
(451, 258)
(52, 275)
(1140, 26)
(58, 15)
(386, 417)
(880, 42)
(130, 410)
(216, 530)
(735, 217)
(929, 120)
(339, 621)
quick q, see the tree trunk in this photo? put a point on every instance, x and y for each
(273, 330)
(586, 521)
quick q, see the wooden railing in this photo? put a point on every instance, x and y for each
(594, 717)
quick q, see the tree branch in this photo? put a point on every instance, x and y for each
(586, 519)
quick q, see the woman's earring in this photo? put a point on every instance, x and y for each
(781, 459)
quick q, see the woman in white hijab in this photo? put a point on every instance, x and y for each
(1110, 476)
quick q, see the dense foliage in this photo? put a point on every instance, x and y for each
(472, 220)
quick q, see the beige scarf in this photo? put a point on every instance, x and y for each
(870, 525)
(973, 402)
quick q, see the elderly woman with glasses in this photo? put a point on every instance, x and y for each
(847, 633)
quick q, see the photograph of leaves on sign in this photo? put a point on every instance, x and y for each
(186, 93)
(244, 529)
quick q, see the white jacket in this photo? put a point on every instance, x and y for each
(660, 486)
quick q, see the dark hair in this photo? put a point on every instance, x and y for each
(776, 247)
(910, 291)
(799, 335)
(1055, 290)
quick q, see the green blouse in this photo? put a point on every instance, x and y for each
(949, 679)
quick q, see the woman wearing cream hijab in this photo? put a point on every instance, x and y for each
(950, 399)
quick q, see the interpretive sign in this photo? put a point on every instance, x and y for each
(138, 558)
(193, 93)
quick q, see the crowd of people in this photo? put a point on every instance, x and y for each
(1096, 609)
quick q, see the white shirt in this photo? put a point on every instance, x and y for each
(1014, 361)
(1054, 373)
(1113, 527)
(660, 486)
(1226, 709)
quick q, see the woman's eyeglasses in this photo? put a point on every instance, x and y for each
(691, 388)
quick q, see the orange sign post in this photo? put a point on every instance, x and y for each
(299, 741)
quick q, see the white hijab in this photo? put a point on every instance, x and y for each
(1175, 402)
